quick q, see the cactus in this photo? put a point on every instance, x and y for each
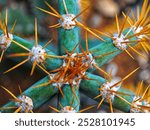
(71, 71)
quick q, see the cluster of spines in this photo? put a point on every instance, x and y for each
(84, 60)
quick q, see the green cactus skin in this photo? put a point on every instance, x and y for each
(70, 98)
(121, 105)
(68, 39)
(90, 87)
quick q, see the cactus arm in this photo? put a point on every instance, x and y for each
(68, 39)
(38, 95)
(106, 51)
(51, 63)
(91, 89)
(71, 97)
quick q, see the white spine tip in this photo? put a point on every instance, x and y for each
(68, 109)
(26, 103)
(67, 22)
(5, 41)
(135, 108)
(138, 30)
(145, 103)
(106, 90)
(37, 54)
(136, 105)
(119, 41)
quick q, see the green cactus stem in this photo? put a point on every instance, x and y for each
(91, 89)
(70, 100)
(68, 38)
(39, 95)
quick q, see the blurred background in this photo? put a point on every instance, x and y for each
(101, 15)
